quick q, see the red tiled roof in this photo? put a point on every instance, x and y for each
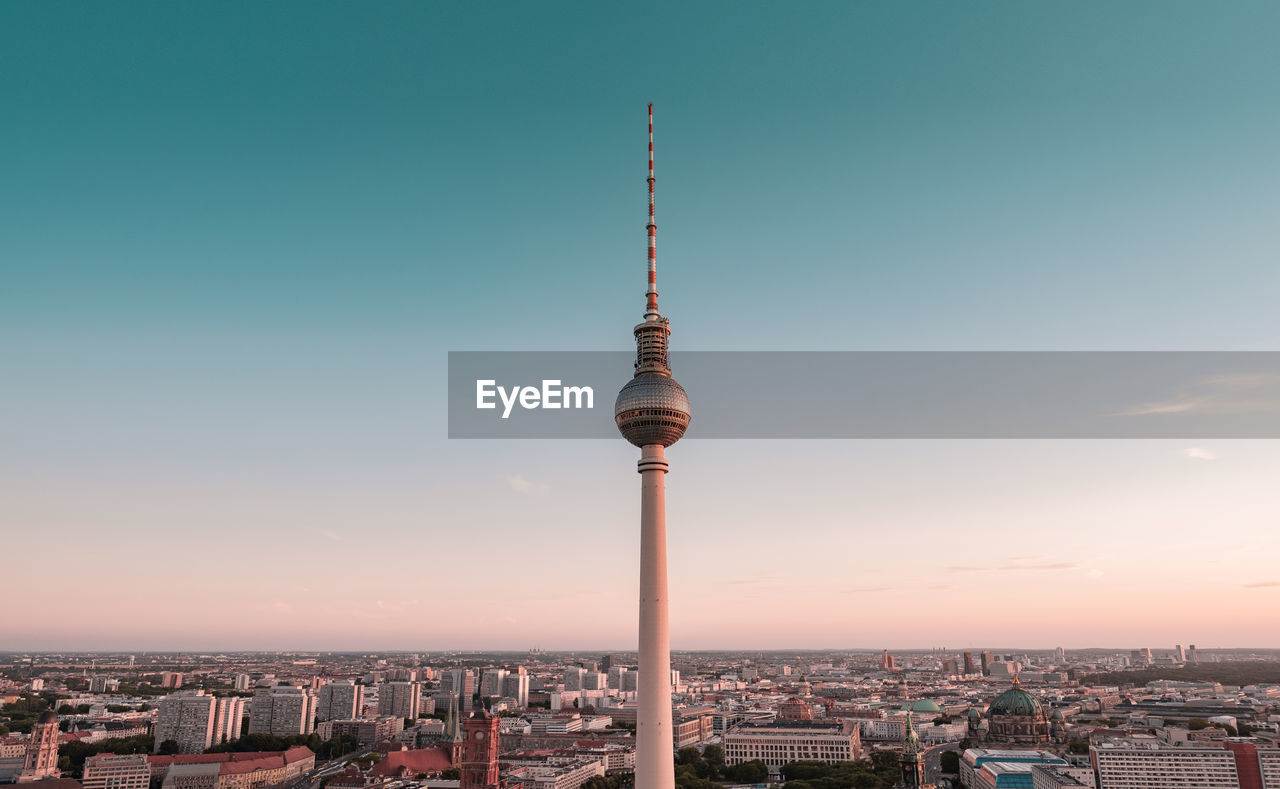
(238, 763)
(421, 760)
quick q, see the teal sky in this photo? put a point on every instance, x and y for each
(237, 241)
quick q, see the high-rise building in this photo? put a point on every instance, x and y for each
(1192, 655)
(171, 679)
(340, 701)
(401, 699)
(969, 667)
(283, 710)
(516, 686)
(615, 676)
(491, 682)
(40, 760)
(1060, 655)
(109, 771)
(228, 719)
(1179, 654)
(243, 681)
(573, 677)
(594, 680)
(187, 719)
(652, 412)
(986, 662)
(462, 682)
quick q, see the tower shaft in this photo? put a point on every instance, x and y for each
(655, 764)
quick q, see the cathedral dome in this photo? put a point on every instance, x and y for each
(922, 705)
(1056, 715)
(1015, 701)
(973, 713)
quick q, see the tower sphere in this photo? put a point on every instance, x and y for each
(652, 409)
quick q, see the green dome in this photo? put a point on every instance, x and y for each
(1056, 715)
(973, 713)
(1015, 701)
(922, 705)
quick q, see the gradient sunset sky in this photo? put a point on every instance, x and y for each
(238, 240)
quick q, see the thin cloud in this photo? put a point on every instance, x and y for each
(1262, 585)
(1232, 393)
(752, 580)
(1013, 564)
(1199, 453)
(521, 485)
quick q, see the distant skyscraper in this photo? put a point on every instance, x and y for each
(171, 679)
(243, 681)
(1192, 655)
(986, 661)
(652, 412)
(187, 719)
(1179, 653)
(969, 667)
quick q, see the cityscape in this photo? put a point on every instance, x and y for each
(251, 547)
(1147, 717)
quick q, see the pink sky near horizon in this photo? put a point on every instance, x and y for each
(517, 544)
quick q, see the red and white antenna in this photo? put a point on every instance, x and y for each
(651, 295)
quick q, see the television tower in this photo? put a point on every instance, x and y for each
(652, 412)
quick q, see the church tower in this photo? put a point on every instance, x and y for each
(41, 759)
(911, 766)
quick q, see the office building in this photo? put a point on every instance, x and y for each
(109, 771)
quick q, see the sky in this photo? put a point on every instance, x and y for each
(238, 241)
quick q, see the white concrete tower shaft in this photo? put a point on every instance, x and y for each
(655, 764)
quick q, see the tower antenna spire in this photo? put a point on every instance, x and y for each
(651, 295)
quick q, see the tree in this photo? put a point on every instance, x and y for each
(452, 774)
(1196, 724)
(1078, 745)
(169, 748)
(950, 761)
(753, 772)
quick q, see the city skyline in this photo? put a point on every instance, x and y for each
(244, 246)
